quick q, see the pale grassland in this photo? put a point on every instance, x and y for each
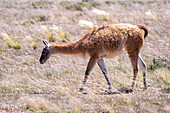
(27, 86)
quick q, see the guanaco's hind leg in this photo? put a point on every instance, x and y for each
(104, 71)
(144, 69)
(90, 66)
(134, 61)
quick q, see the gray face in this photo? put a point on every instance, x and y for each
(45, 55)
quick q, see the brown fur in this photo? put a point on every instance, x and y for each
(104, 40)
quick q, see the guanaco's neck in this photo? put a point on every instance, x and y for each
(65, 48)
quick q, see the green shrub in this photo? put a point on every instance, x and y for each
(79, 6)
(158, 63)
(109, 2)
(63, 3)
(122, 3)
(138, 2)
(40, 4)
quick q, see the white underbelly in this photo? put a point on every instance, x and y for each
(111, 54)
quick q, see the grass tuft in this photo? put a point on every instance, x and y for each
(30, 38)
(63, 35)
(11, 44)
(17, 45)
(122, 3)
(156, 103)
(103, 14)
(63, 3)
(7, 39)
(79, 6)
(60, 32)
(106, 18)
(151, 2)
(40, 18)
(5, 90)
(138, 2)
(95, 4)
(34, 19)
(48, 74)
(67, 20)
(33, 44)
(166, 90)
(158, 63)
(41, 4)
(108, 2)
(50, 37)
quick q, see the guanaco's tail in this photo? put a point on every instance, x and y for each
(145, 29)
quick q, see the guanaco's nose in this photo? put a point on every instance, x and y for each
(42, 61)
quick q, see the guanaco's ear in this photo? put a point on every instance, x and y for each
(46, 43)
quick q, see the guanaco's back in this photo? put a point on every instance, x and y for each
(109, 40)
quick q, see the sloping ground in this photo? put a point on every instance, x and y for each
(27, 86)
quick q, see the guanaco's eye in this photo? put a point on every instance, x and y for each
(45, 51)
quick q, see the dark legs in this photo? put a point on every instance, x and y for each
(134, 61)
(104, 71)
(90, 66)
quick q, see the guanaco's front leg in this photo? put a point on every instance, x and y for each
(104, 71)
(90, 66)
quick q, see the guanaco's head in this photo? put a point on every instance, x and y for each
(46, 52)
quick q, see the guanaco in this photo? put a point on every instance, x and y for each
(106, 41)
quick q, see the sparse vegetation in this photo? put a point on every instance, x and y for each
(106, 18)
(109, 2)
(4, 90)
(50, 36)
(27, 86)
(166, 90)
(138, 2)
(33, 44)
(79, 6)
(158, 63)
(34, 19)
(122, 3)
(41, 4)
(103, 14)
(62, 35)
(67, 20)
(1, 74)
(11, 43)
(151, 2)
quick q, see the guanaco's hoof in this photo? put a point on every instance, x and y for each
(129, 91)
(110, 90)
(81, 89)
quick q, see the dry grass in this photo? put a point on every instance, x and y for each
(27, 86)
